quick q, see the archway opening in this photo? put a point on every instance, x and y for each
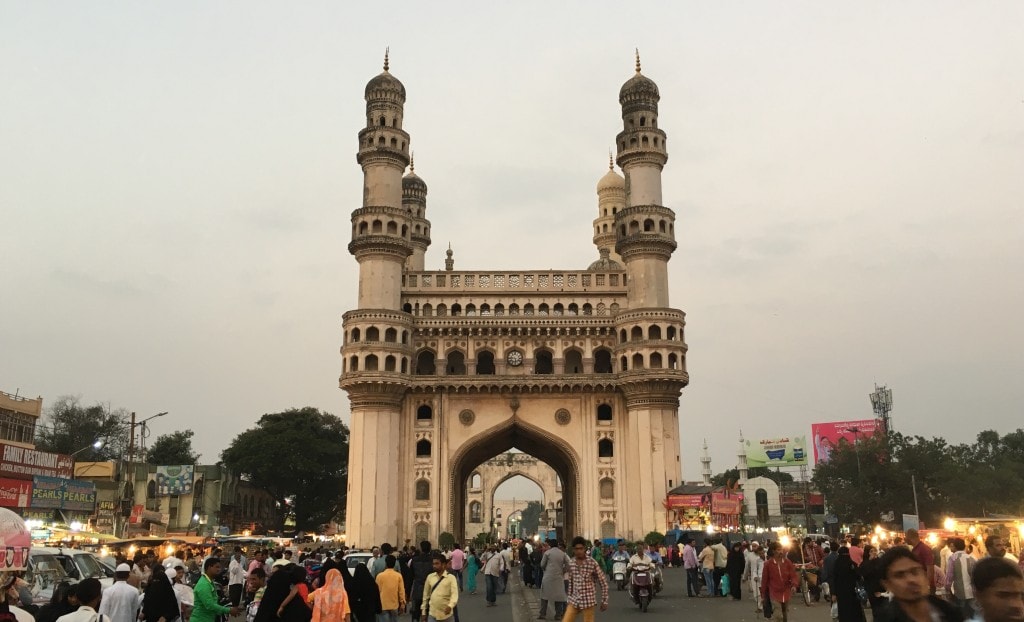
(526, 443)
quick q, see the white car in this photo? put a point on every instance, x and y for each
(79, 564)
(44, 573)
(352, 560)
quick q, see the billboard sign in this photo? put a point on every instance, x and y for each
(782, 451)
(728, 503)
(25, 463)
(54, 493)
(175, 479)
(827, 436)
(15, 493)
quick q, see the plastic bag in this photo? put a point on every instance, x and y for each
(724, 586)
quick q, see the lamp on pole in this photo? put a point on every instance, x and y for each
(131, 430)
(881, 404)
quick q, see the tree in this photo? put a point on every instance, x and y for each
(446, 541)
(173, 448)
(300, 457)
(70, 428)
(530, 517)
(654, 538)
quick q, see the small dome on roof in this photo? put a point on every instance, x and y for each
(412, 180)
(611, 180)
(639, 86)
(385, 82)
(605, 263)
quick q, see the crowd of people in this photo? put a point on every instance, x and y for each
(903, 582)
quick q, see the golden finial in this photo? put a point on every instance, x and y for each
(388, 49)
(412, 162)
(637, 60)
(611, 163)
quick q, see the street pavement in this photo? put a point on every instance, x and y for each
(671, 605)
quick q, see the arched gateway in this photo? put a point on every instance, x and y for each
(446, 369)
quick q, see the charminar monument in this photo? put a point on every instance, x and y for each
(446, 369)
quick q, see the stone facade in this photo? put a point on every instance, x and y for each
(445, 370)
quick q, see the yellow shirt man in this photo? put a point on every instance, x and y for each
(440, 593)
(392, 590)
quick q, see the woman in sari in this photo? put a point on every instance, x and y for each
(472, 568)
(330, 602)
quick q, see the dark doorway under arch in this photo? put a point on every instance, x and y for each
(530, 440)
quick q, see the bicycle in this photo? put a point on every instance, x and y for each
(809, 583)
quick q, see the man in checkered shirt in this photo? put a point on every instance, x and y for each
(584, 575)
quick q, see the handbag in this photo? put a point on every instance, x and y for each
(724, 587)
(768, 608)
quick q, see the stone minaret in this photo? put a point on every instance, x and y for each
(741, 460)
(414, 200)
(376, 353)
(611, 197)
(650, 350)
(705, 465)
(645, 228)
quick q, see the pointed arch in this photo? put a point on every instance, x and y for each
(513, 432)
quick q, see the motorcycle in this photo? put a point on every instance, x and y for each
(619, 574)
(641, 588)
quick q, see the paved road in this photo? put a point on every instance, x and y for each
(671, 605)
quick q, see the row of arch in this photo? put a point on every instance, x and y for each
(643, 142)
(499, 309)
(425, 414)
(373, 334)
(653, 333)
(378, 227)
(394, 143)
(655, 360)
(543, 362)
(649, 226)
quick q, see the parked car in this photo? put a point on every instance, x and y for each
(354, 559)
(79, 564)
(44, 573)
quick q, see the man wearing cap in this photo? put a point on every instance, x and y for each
(184, 594)
(120, 601)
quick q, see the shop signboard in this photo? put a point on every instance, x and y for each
(726, 503)
(15, 493)
(781, 451)
(827, 436)
(176, 479)
(25, 463)
(56, 493)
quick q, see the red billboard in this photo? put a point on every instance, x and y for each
(24, 463)
(826, 436)
(15, 493)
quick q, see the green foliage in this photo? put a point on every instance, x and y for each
(68, 427)
(446, 540)
(481, 539)
(654, 538)
(531, 517)
(873, 476)
(173, 448)
(300, 456)
(733, 475)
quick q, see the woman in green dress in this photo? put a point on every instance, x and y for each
(472, 568)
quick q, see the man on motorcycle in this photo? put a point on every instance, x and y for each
(620, 562)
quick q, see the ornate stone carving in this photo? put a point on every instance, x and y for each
(562, 416)
(467, 417)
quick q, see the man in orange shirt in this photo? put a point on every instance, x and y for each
(392, 591)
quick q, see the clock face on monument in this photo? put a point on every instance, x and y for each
(514, 358)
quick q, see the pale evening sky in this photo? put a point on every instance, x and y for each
(847, 181)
